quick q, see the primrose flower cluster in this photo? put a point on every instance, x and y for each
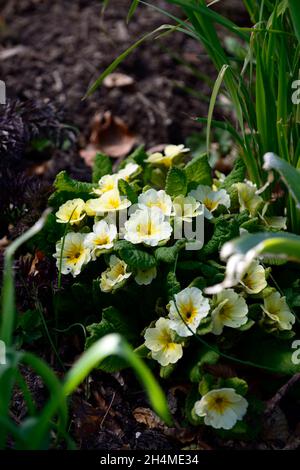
(140, 209)
(168, 336)
(149, 223)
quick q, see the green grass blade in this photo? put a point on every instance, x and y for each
(212, 104)
(295, 14)
(123, 56)
(212, 15)
(289, 174)
(132, 9)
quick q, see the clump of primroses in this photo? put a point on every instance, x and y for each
(93, 227)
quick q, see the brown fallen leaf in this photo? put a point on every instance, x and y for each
(4, 242)
(152, 421)
(40, 169)
(148, 417)
(109, 135)
(118, 80)
(38, 256)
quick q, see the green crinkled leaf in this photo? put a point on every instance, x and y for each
(112, 322)
(176, 182)
(225, 229)
(97, 331)
(206, 384)
(239, 385)
(204, 356)
(29, 327)
(155, 177)
(172, 284)
(102, 166)
(63, 182)
(166, 371)
(236, 175)
(168, 254)
(137, 259)
(127, 190)
(138, 156)
(198, 171)
(200, 282)
(120, 244)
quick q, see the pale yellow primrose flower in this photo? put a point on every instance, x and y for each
(277, 312)
(254, 280)
(229, 309)
(74, 255)
(185, 208)
(71, 211)
(221, 408)
(106, 183)
(110, 182)
(248, 198)
(111, 201)
(147, 226)
(114, 276)
(171, 152)
(160, 341)
(192, 306)
(130, 170)
(144, 277)
(153, 198)
(210, 198)
(101, 238)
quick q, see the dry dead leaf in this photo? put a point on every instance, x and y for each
(40, 169)
(118, 80)
(109, 135)
(152, 421)
(148, 417)
(39, 256)
(4, 242)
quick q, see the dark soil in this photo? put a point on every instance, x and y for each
(54, 49)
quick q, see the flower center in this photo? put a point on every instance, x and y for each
(146, 229)
(188, 311)
(74, 255)
(219, 404)
(210, 204)
(118, 270)
(114, 203)
(101, 240)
